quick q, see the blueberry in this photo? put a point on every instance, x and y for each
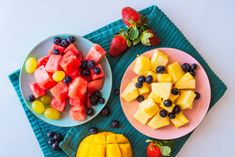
(97, 70)
(89, 111)
(31, 98)
(115, 124)
(197, 96)
(94, 99)
(192, 72)
(163, 113)
(51, 141)
(101, 100)
(171, 115)
(167, 103)
(140, 98)
(193, 66)
(175, 91)
(50, 134)
(160, 69)
(141, 79)
(64, 43)
(139, 85)
(83, 64)
(186, 67)
(67, 79)
(85, 72)
(149, 79)
(57, 40)
(55, 145)
(71, 39)
(93, 130)
(176, 109)
(105, 112)
(98, 94)
(58, 137)
(56, 52)
(116, 92)
(91, 64)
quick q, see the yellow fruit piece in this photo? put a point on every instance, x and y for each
(38, 106)
(162, 89)
(141, 116)
(143, 90)
(157, 122)
(186, 99)
(155, 98)
(31, 65)
(164, 78)
(90, 147)
(186, 82)
(46, 99)
(173, 98)
(149, 107)
(169, 109)
(142, 65)
(179, 120)
(153, 74)
(175, 70)
(135, 79)
(52, 113)
(158, 58)
(130, 92)
(58, 76)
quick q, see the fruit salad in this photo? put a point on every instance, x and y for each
(163, 88)
(64, 77)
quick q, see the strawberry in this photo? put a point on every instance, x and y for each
(153, 150)
(149, 38)
(130, 16)
(159, 148)
(119, 45)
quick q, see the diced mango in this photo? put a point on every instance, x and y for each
(164, 78)
(162, 89)
(153, 74)
(169, 109)
(149, 107)
(155, 98)
(142, 65)
(158, 58)
(175, 70)
(97, 150)
(157, 122)
(126, 150)
(186, 99)
(173, 97)
(112, 149)
(179, 120)
(141, 116)
(144, 89)
(186, 82)
(130, 92)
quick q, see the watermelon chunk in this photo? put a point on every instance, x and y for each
(88, 101)
(58, 47)
(95, 76)
(95, 85)
(69, 62)
(73, 48)
(58, 105)
(77, 88)
(79, 101)
(96, 53)
(60, 91)
(53, 63)
(75, 74)
(43, 60)
(36, 90)
(43, 78)
(78, 113)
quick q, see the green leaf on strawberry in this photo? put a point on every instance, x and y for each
(145, 38)
(136, 41)
(133, 33)
(165, 150)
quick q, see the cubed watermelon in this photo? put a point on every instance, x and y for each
(60, 91)
(58, 105)
(77, 88)
(73, 48)
(95, 85)
(58, 47)
(75, 73)
(79, 101)
(43, 60)
(43, 78)
(88, 102)
(78, 113)
(69, 62)
(95, 76)
(53, 63)
(96, 53)
(36, 90)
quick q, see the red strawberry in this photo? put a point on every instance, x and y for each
(119, 45)
(130, 16)
(149, 38)
(153, 150)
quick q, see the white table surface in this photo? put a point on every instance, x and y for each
(209, 26)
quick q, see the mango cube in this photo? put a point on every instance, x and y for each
(186, 99)
(158, 58)
(164, 77)
(141, 116)
(155, 98)
(130, 92)
(144, 89)
(169, 109)
(179, 120)
(149, 107)
(157, 122)
(173, 97)
(186, 82)
(153, 74)
(162, 89)
(175, 70)
(142, 65)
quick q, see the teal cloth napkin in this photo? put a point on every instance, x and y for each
(170, 36)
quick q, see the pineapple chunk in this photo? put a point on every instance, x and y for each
(157, 122)
(141, 116)
(155, 98)
(164, 77)
(173, 97)
(186, 99)
(158, 58)
(149, 107)
(153, 74)
(169, 109)
(130, 92)
(135, 79)
(144, 89)
(186, 82)
(142, 65)
(162, 89)
(179, 120)
(175, 70)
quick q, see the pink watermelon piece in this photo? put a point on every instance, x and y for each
(43, 60)
(79, 101)
(95, 85)
(43, 78)
(96, 53)
(58, 47)
(53, 63)
(95, 76)
(69, 62)
(88, 102)
(36, 90)
(73, 48)
(77, 88)
(60, 91)
(58, 105)
(77, 113)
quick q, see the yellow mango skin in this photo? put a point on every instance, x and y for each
(175, 70)
(179, 120)
(158, 122)
(115, 145)
(186, 98)
(130, 93)
(158, 59)
(142, 65)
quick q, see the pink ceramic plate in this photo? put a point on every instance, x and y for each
(195, 115)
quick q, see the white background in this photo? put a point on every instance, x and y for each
(208, 24)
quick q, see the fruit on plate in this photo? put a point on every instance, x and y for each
(105, 144)
(163, 93)
(68, 78)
